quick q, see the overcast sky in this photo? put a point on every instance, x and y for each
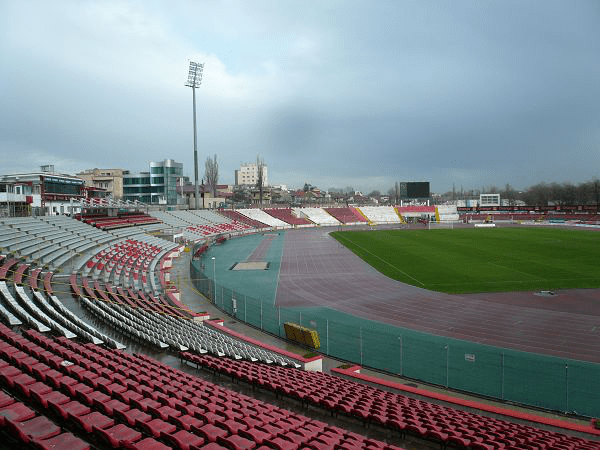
(333, 93)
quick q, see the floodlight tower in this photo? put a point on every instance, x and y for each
(193, 81)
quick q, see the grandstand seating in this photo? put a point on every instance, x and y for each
(25, 302)
(118, 411)
(161, 325)
(197, 224)
(33, 278)
(104, 222)
(51, 240)
(317, 215)
(380, 214)
(208, 216)
(183, 219)
(288, 216)
(20, 273)
(10, 303)
(129, 262)
(447, 213)
(235, 215)
(347, 215)
(8, 266)
(198, 231)
(121, 400)
(394, 411)
(260, 216)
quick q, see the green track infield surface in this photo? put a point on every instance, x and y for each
(482, 260)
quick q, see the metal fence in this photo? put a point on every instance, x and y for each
(527, 378)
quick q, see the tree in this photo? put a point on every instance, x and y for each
(394, 193)
(570, 196)
(211, 174)
(509, 194)
(241, 195)
(538, 194)
(260, 167)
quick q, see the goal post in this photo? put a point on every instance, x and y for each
(440, 225)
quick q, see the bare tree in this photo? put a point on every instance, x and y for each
(260, 167)
(394, 193)
(570, 196)
(509, 194)
(538, 194)
(211, 174)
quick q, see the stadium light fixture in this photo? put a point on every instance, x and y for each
(194, 80)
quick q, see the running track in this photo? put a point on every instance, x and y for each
(317, 271)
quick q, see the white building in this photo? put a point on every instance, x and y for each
(247, 175)
(40, 193)
(489, 200)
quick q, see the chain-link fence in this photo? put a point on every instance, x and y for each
(527, 378)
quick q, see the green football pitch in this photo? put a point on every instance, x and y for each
(482, 260)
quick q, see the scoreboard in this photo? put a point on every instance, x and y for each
(414, 189)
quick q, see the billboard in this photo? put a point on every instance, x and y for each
(414, 189)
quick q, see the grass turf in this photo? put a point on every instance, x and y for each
(482, 260)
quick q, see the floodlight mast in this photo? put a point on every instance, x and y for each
(194, 80)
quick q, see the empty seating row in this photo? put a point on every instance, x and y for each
(27, 428)
(50, 241)
(209, 216)
(32, 306)
(195, 231)
(347, 215)
(122, 400)
(288, 215)
(317, 215)
(261, 216)
(380, 214)
(394, 411)
(237, 216)
(161, 326)
(133, 298)
(202, 222)
(122, 321)
(9, 317)
(104, 222)
(171, 218)
(196, 219)
(10, 303)
(9, 265)
(74, 323)
(40, 315)
(129, 262)
(20, 273)
(447, 213)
